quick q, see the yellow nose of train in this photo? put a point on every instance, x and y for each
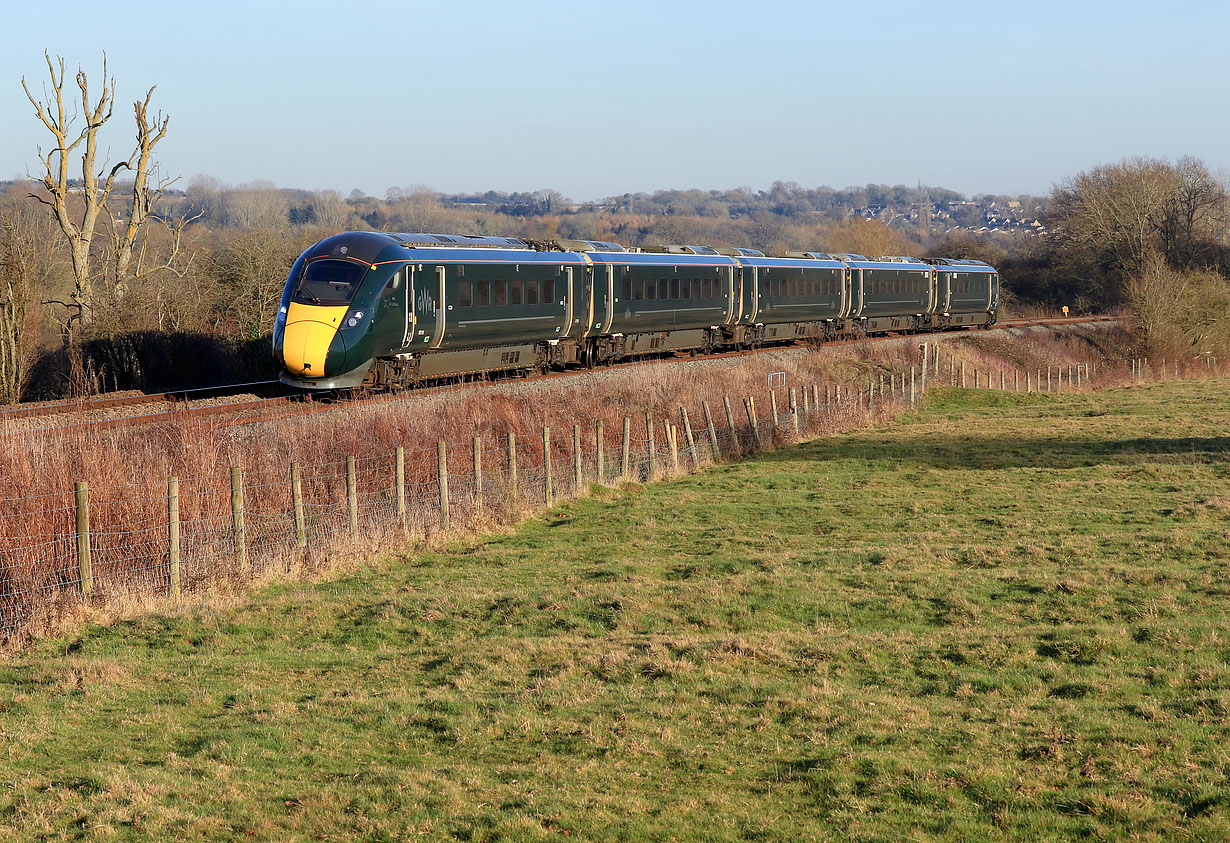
(309, 333)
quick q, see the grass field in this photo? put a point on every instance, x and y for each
(1004, 616)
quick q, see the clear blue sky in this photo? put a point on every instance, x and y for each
(592, 100)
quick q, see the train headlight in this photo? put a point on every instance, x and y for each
(355, 319)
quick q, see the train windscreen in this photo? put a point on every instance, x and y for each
(329, 282)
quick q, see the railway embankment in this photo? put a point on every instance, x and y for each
(997, 614)
(101, 520)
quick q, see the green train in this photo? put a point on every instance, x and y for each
(372, 309)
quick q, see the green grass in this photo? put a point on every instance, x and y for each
(1003, 616)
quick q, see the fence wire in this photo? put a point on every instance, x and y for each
(235, 528)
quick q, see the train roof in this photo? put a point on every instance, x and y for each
(794, 260)
(967, 264)
(660, 259)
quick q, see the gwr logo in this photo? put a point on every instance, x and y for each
(426, 303)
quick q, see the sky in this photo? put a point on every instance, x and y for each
(595, 100)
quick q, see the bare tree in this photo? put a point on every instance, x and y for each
(1194, 214)
(1117, 208)
(76, 204)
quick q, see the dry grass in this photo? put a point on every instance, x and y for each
(127, 469)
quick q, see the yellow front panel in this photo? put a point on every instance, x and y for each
(309, 332)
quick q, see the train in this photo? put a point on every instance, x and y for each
(365, 309)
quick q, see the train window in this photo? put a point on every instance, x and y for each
(329, 282)
(531, 292)
(501, 294)
(651, 288)
(514, 292)
(482, 293)
(639, 291)
(685, 288)
(627, 289)
(674, 288)
(465, 293)
(548, 291)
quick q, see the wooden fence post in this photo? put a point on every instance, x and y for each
(442, 474)
(577, 468)
(652, 448)
(672, 435)
(773, 408)
(352, 495)
(625, 461)
(478, 474)
(296, 499)
(512, 472)
(598, 451)
(687, 430)
(173, 535)
(546, 463)
(794, 411)
(85, 569)
(399, 484)
(713, 440)
(730, 420)
(749, 407)
(237, 523)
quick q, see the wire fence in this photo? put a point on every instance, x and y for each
(184, 536)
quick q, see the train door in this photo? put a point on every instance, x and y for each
(604, 292)
(394, 311)
(857, 292)
(569, 302)
(429, 307)
(993, 294)
(408, 287)
(750, 300)
(734, 283)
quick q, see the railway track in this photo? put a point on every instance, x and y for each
(101, 412)
(285, 403)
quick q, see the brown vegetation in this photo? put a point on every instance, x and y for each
(127, 470)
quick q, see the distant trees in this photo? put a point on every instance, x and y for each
(1151, 234)
(77, 203)
(29, 244)
(1117, 216)
(866, 237)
